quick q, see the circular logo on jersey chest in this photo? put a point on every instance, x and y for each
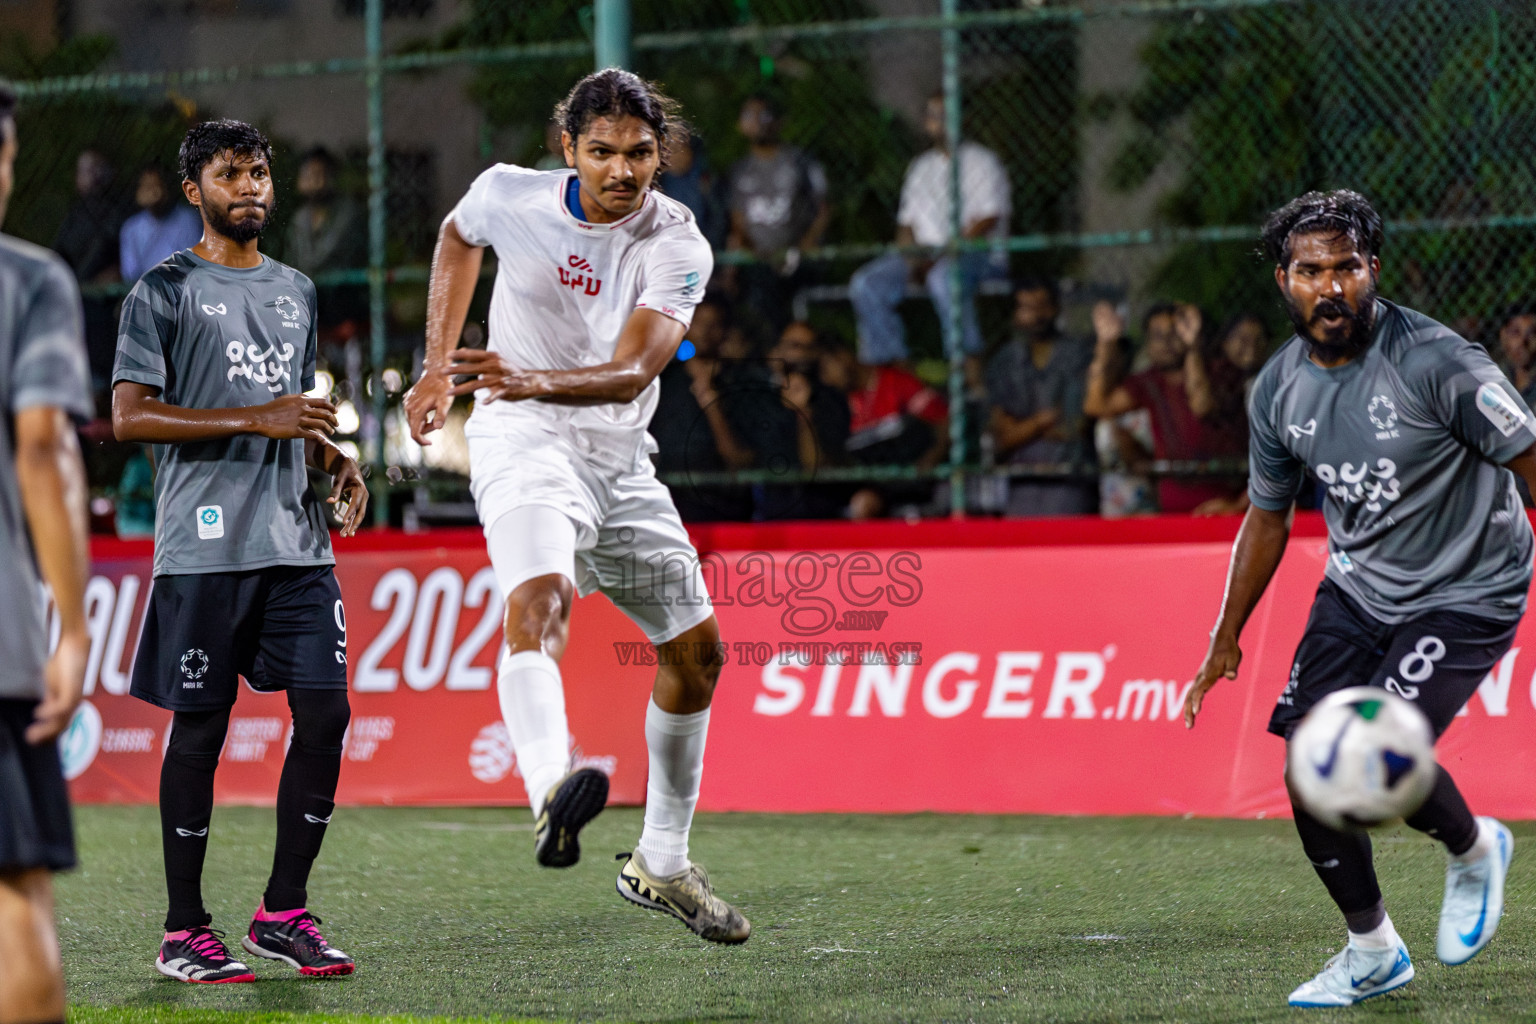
(1382, 412)
(286, 307)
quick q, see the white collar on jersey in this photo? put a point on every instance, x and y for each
(563, 182)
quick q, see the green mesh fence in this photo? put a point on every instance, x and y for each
(1141, 143)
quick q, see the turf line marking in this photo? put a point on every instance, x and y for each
(840, 949)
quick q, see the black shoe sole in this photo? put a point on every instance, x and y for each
(580, 798)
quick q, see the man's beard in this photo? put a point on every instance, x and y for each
(1355, 341)
(242, 230)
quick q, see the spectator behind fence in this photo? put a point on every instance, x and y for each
(688, 179)
(793, 423)
(1189, 420)
(1517, 349)
(778, 206)
(1244, 343)
(1035, 385)
(165, 224)
(894, 420)
(88, 241)
(692, 431)
(1122, 442)
(327, 231)
(923, 218)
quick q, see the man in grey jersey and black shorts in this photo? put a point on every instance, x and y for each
(44, 385)
(1418, 439)
(215, 351)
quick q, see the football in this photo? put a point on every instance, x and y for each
(1362, 757)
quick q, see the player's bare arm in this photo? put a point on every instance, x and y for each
(349, 491)
(648, 342)
(1255, 557)
(51, 478)
(451, 287)
(138, 414)
(1524, 466)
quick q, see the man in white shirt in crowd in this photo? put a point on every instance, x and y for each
(923, 218)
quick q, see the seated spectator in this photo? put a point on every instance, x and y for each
(793, 423)
(1186, 413)
(327, 231)
(692, 432)
(1035, 386)
(165, 224)
(923, 218)
(1517, 347)
(778, 206)
(894, 420)
(688, 179)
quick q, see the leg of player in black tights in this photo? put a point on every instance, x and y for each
(186, 804)
(306, 793)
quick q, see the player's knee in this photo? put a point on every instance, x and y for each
(537, 614)
(197, 737)
(320, 719)
(702, 670)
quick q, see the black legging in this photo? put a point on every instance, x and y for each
(306, 796)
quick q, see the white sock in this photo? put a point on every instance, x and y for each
(676, 747)
(533, 706)
(1383, 936)
(1480, 849)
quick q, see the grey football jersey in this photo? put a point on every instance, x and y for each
(1409, 441)
(42, 365)
(216, 337)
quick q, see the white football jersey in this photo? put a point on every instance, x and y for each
(564, 290)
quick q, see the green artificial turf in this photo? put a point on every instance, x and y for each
(855, 918)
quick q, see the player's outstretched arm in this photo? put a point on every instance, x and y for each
(450, 288)
(1255, 557)
(138, 414)
(648, 342)
(51, 477)
(349, 491)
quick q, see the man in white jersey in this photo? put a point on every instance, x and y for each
(597, 280)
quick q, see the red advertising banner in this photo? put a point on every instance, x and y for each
(964, 670)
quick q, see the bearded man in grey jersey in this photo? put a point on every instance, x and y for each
(1418, 439)
(216, 351)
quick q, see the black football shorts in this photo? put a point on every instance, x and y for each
(35, 826)
(281, 627)
(1437, 660)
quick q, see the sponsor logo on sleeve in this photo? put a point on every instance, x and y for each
(210, 522)
(1504, 414)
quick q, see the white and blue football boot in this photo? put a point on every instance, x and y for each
(1474, 897)
(1354, 974)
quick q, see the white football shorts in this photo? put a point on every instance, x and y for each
(624, 536)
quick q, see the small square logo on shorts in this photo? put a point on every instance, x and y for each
(210, 522)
